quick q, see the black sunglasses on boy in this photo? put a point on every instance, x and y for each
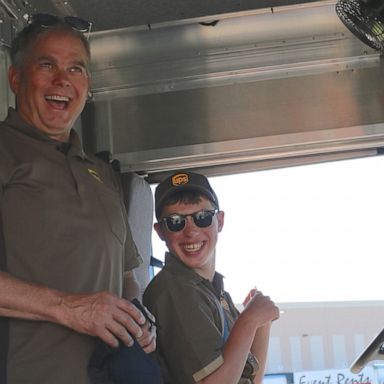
(176, 222)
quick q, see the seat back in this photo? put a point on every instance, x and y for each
(138, 200)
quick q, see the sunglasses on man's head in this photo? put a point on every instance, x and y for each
(176, 223)
(47, 20)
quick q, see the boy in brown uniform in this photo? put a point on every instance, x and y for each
(202, 338)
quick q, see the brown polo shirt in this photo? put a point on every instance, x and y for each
(64, 226)
(189, 312)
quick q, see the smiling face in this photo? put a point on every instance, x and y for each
(51, 84)
(194, 246)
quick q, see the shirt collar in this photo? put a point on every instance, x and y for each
(175, 265)
(74, 146)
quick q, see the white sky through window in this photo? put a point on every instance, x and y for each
(299, 234)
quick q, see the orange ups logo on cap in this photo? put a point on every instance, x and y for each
(180, 179)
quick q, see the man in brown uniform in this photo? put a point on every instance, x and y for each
(66, 252)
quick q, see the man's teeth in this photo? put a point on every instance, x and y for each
(57, 98)
(193, 247)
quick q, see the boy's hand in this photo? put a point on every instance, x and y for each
(148, 340)
(260, 307)
(253, 292)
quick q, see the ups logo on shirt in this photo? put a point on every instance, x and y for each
(95, 175)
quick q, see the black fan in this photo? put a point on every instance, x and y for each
(365, 19)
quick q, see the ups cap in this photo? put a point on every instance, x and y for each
(183, 181)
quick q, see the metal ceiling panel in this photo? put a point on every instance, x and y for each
(258, 85)
(114, 14)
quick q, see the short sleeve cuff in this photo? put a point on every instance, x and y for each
(207, 370)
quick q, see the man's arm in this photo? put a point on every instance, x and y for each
(101, 314)
(259, 312)
(131, 286)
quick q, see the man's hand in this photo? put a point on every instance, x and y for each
(106, 316)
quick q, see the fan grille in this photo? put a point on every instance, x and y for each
(362, 21)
